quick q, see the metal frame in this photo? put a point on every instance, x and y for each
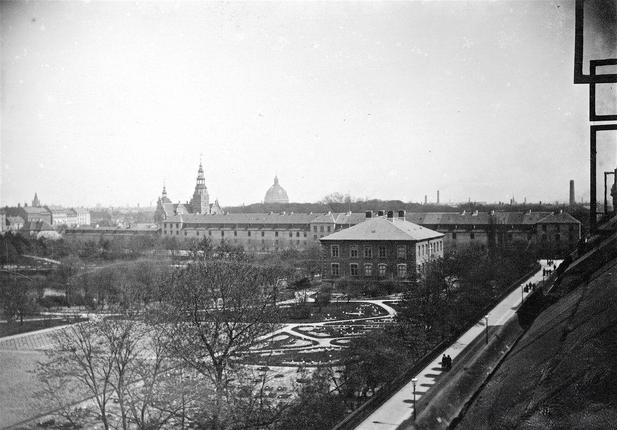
(606, 175)
(594, 129)
(579, 76)
(593, 116)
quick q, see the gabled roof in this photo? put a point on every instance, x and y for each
(380, 229)
(448, 218)
(244, 218)
(519, 218)
(33, 210)
(559, 218)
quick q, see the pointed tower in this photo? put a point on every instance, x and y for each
(35, 202)
(164, 198)
(200, 203)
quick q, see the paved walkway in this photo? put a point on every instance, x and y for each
(400, 406)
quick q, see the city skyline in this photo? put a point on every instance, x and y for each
(104, 102)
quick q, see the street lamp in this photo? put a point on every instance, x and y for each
(486, 323)
(414, 381)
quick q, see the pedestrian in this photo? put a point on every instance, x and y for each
(443, 361)
(449, 362)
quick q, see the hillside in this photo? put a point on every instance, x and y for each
(562, 372)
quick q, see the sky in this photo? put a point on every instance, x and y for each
(104, 102)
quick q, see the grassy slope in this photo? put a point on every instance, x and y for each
(561, 373)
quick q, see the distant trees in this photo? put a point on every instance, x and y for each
(18, 296)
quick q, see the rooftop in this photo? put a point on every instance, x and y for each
(384, 229)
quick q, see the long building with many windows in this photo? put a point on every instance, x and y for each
(553, 232)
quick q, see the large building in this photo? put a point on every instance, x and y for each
(379, 247)
(555, 233)
(199, 204)
(276, 193)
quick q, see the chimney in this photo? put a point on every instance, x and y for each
(437, 196)
(390, 214)
(572, 201)
(401, 215)
(425, 199)
(368, 214)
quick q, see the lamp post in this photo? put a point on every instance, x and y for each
(486, 323)
(414, 381)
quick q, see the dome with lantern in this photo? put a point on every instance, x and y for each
(276, 193)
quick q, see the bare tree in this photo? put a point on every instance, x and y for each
(215, 311)
(114, 372)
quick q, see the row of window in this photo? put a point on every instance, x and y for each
(368, 251)
(197, 233)
(321, 228)
(382, 270)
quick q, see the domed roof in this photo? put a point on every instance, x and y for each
(276, 193)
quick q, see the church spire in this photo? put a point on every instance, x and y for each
(35, 202)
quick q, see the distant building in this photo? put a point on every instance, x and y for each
(35, 202)
(276, 193)
(33, 214)
(40, 229)
(88, 233)
(59, 215)
(199, 204)
(3, 223)
(14, 223)
(380, 248)
(252, 231)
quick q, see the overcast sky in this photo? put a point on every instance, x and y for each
(104, 101)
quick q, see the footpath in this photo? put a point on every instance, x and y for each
(398, 411)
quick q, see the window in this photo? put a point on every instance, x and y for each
(315, 236)
(401, 252)
(276, 234)
(543, 227)
(472, 235)
(353, 251)
(454, 236)
(353, 269)
(197, 233)
(298, 234)
(382, 270)
(368, 270)
(321, 228)
(368, 252)
(556, 227)
(328, 229)
(222, 233)
(209, 233)
(315, 228)
(382, 252)
(334, 250)
(334, 269)
(177, 225)
(262, 234)
(401, 270)
(177, 233)
(235, 233)
(291, 234)
(304, 234)
(249, 233)
(185, 233)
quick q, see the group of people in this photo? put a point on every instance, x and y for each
(530, 286)
(446, 362)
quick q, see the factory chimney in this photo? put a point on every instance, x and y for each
(437, 196)
(425, 199)
(572, 201)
